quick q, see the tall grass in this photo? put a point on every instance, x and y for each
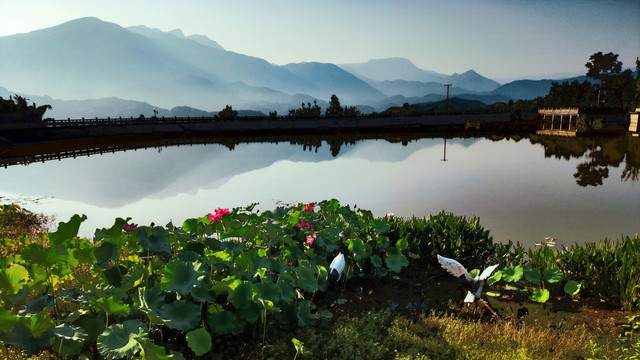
(608, 270)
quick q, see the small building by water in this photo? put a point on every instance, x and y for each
(558, 121)
(633, 122)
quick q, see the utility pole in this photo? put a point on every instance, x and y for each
(444, 158)
(448, 86)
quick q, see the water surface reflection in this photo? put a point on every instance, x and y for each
(523, 189)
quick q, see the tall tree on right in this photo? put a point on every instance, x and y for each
(637, 97)
(601, 66)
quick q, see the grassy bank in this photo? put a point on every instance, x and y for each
(241, 284)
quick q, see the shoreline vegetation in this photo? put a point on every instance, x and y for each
(243, 284)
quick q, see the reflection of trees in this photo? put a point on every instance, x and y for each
(632, 161)
(590, 174)
(602, 152)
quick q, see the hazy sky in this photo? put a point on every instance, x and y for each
(499, 39)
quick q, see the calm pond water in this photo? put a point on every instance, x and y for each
(575, 190)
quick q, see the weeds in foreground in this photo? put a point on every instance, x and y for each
(383, 335)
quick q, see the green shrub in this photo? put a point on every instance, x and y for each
(445, 234)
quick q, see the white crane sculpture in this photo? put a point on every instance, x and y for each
(473, 285)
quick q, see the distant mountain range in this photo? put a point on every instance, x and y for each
(86, 67)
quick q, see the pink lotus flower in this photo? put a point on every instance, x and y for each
(217, 214)
(311, 238)
(130, 227)
(305, 224)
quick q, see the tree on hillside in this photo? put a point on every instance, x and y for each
(15, 109)
(334, 108)
(228, 113)
(601, 66)
(620, 91)
(573, 93)
(306, 111)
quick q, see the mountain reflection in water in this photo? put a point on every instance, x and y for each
(522, 188)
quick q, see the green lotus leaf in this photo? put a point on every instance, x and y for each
(552, 276)
(48, 257)
(68, 230)
(199, 341)
(287, 294)
(68, 340)
(188, 256)
(180, 277)
(7, 319)
(182, 314)
(402, 244)
(113, 232)
(155, 240)
(376, 261)
(120, 340)
(13, 278)
(382, 242)
(326, 314)
(306, 278)
(294, 218)
(222, 322)
(196, 247)
(395, 261)
(133, 277)
(359, 249)
(512, 273)
(532, 275)
(83, 251)
(540, 295)
(267, 290)
(111, 305)
(250, 313)
(191, 226)
(32, 334)
(113, 275)
(105, 253)
(233, 231)
(494, 278)
(240, 295)
(572, 287)
(304, 314)
(37, 304)
(75, 315)
(155, 352)
(222, 256)
(250, 262)
(154, 299)
(203, 294)
(473, 273)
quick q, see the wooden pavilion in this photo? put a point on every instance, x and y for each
(558, 121)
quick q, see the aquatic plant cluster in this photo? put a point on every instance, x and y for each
(167, 291)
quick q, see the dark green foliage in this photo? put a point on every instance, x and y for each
(15, 109)
(306, 111)
(447, 235)
(228, 113)
(578, 94)
(608, 270)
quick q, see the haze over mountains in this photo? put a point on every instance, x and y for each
(90, 59)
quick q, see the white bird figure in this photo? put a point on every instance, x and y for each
(473, 285)
(336, 267)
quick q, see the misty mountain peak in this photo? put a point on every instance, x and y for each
(176, 32)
